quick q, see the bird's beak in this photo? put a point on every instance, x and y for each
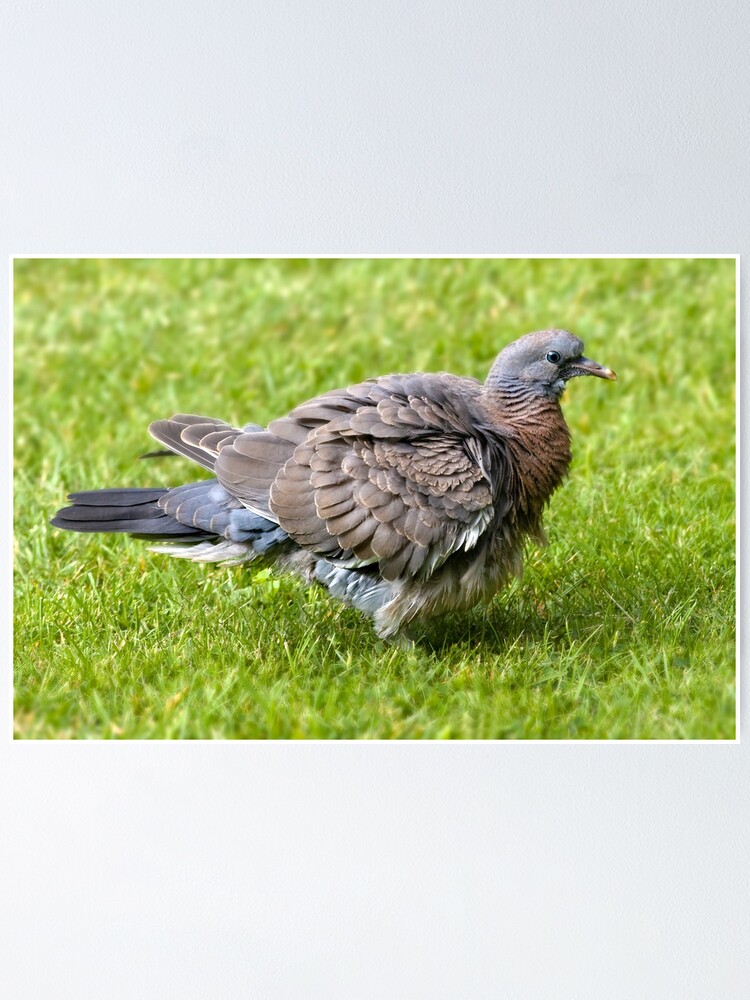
(585, 366)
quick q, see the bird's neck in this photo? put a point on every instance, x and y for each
(535, 436)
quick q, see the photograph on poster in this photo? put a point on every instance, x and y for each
(398, 508)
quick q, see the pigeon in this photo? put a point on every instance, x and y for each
(405, 496)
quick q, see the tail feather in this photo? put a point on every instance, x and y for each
(194, 512)
(127, 497)
(134, 511)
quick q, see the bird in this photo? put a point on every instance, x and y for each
(404, 496)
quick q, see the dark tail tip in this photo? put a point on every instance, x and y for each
(134, 511)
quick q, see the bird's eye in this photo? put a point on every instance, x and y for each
(553, 357)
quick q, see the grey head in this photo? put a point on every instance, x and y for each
(541, 363)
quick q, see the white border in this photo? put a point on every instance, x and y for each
(400, 256)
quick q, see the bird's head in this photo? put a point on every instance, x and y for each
(541, 363)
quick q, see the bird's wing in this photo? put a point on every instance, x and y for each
(388, 472)
(198, 438)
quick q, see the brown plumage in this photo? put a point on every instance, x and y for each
(405, 495)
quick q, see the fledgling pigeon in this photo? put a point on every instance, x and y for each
(405, 495)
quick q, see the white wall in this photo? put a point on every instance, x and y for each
(373, 871)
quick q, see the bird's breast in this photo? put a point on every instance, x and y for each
(535, 443)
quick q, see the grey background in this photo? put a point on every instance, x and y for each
(346, 871)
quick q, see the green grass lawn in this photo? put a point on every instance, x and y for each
(623, 627)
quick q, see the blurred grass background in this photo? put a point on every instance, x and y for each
(624, 627)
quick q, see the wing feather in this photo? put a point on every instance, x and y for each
(175, 434)
(392, 476)
(392, 471)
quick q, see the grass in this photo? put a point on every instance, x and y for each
(623, 627)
